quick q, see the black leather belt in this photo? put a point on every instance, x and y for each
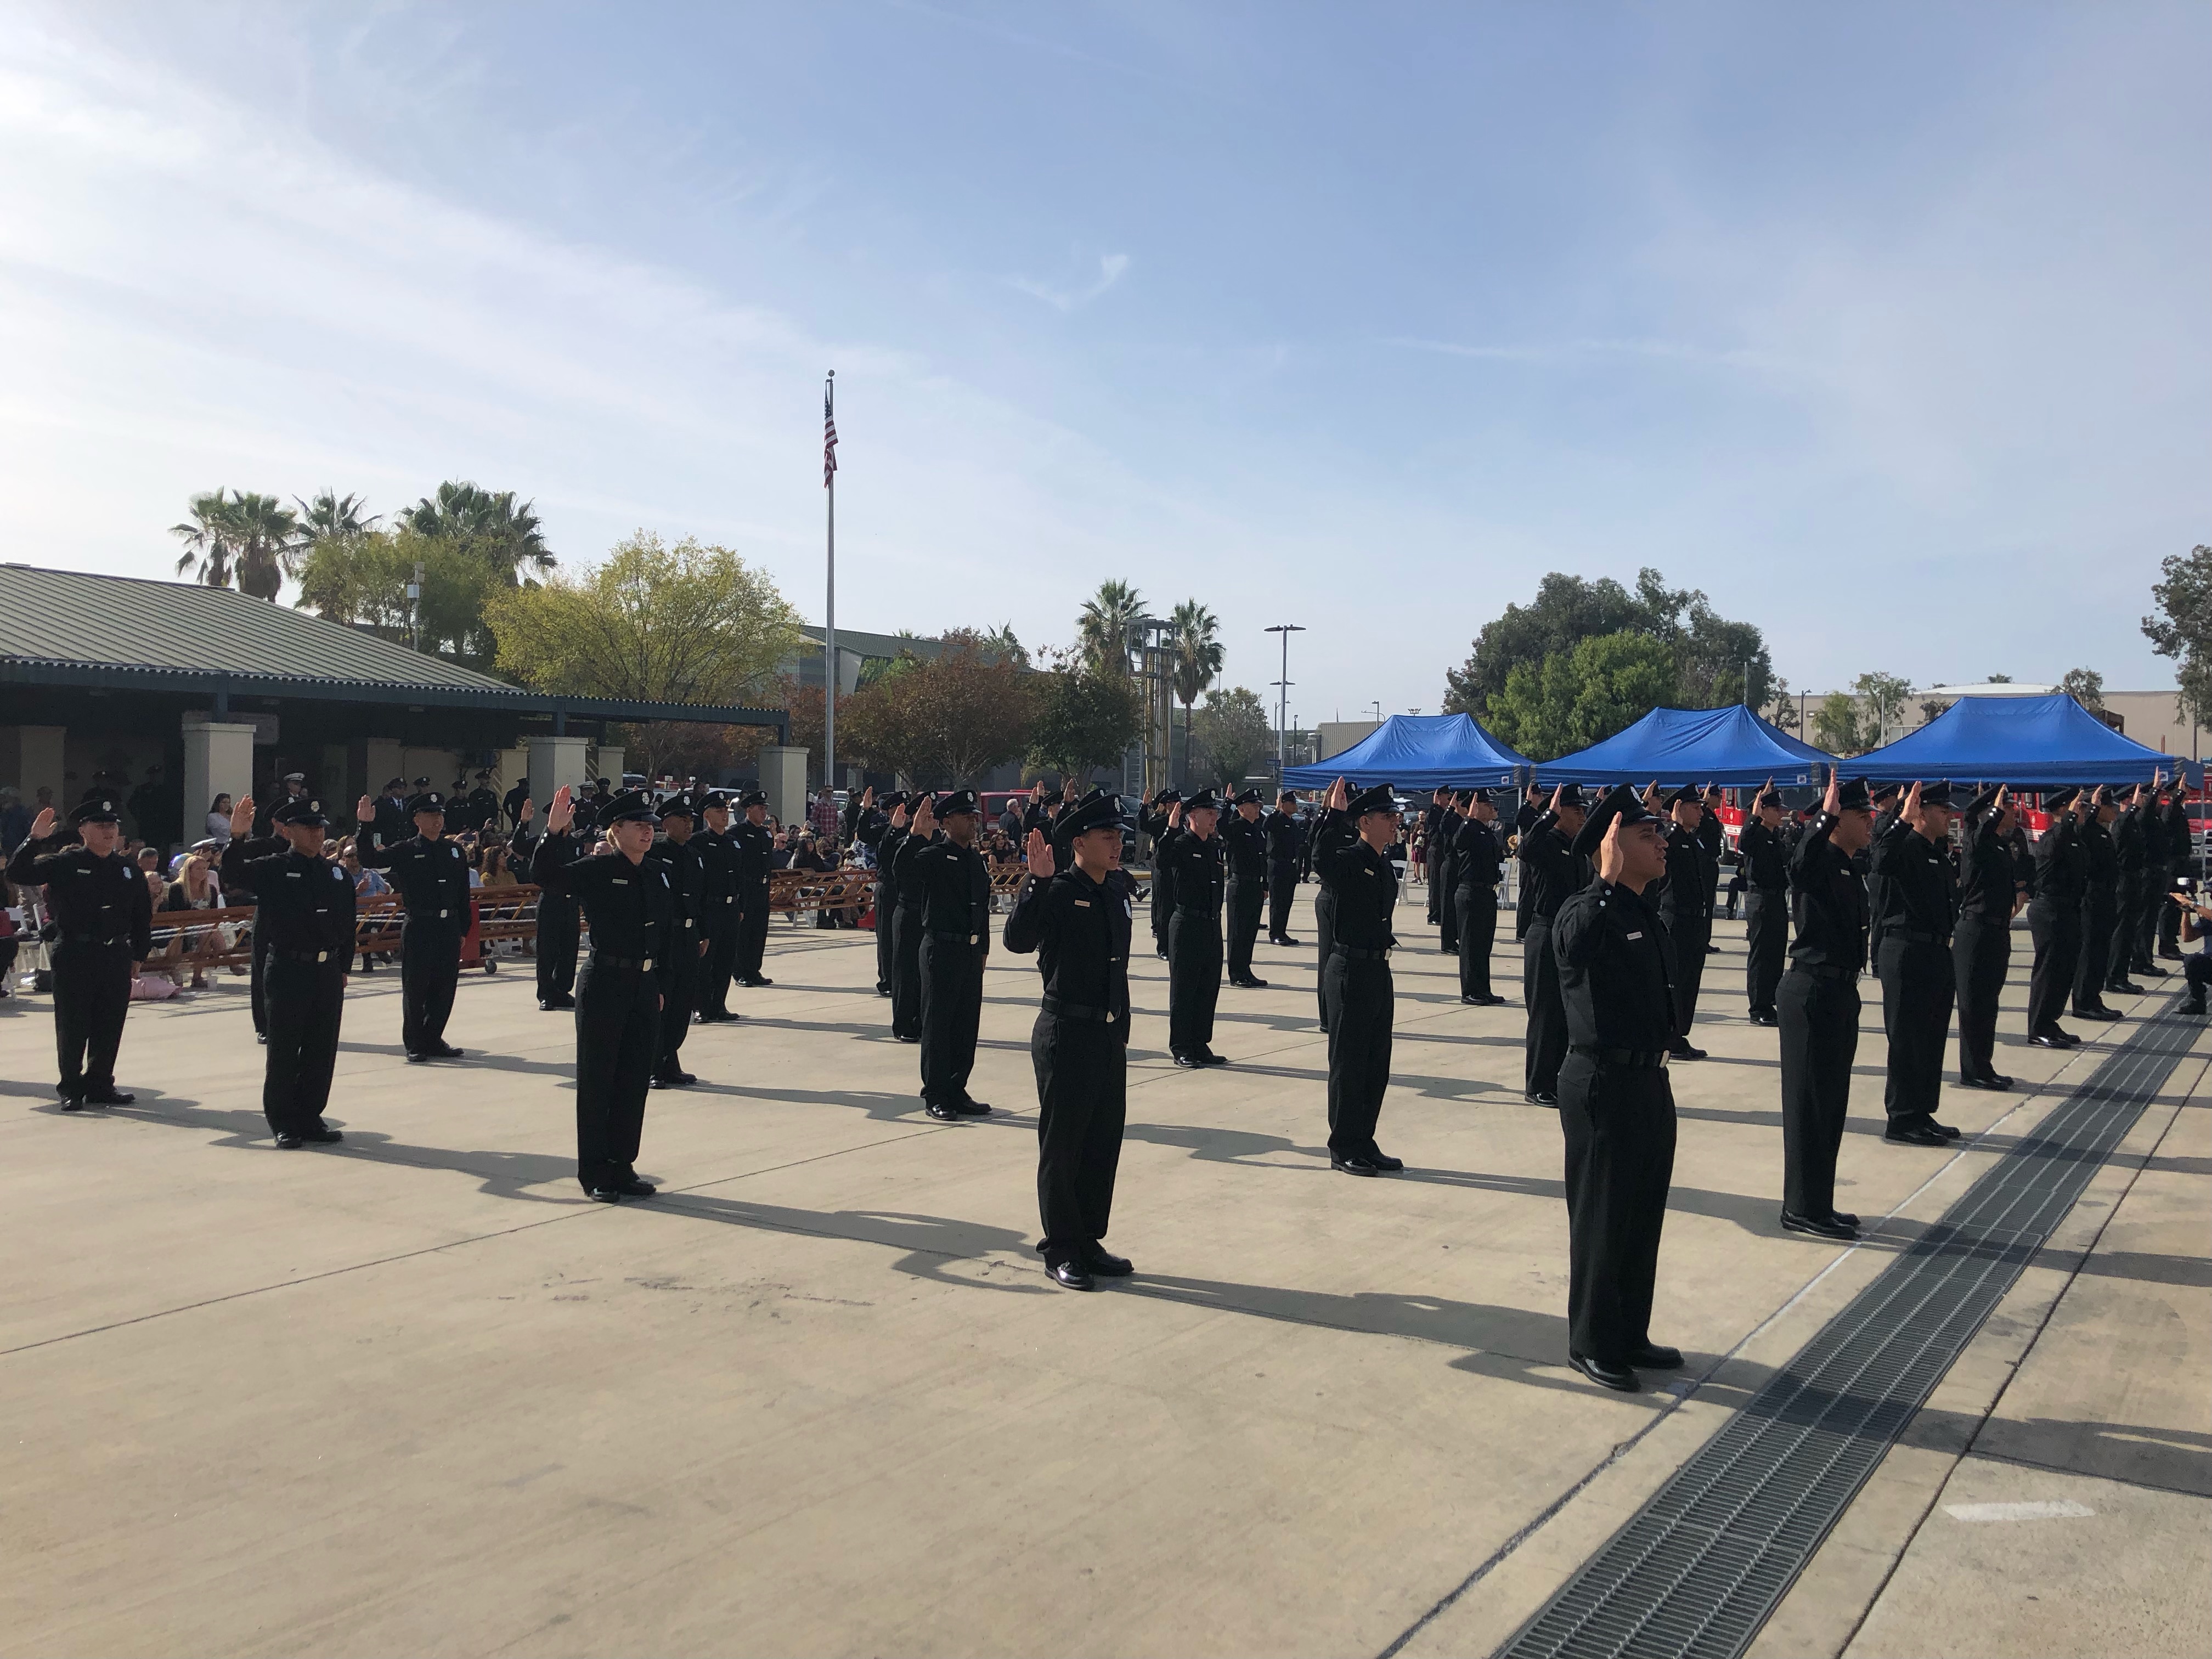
(962, 938)
(81, 939)
(313, 957)
(608, 958)
(1360, 956)
(1827, 970)
(1077, 1011)
(1203, 912)
(1640, 1060)
(1917, 936)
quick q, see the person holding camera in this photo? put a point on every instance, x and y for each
(2196, 924)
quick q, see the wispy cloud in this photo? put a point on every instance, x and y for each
(1110, 269)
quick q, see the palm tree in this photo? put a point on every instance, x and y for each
(1002, 643)
(208, 554)
(264, 534)
(1196, 662)
(509, 535)
(1102, 626)
(328, 517)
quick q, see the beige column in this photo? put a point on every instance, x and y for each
(783, 780)
(218, 761)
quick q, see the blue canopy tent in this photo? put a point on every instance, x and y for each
(1731, 747)
(1418, 753)
(2030, 742)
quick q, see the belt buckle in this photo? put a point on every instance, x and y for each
(322, 956)
(1666, 1057)
(972, 938)
(443, 914)
(647, 965)
(1110, 1016)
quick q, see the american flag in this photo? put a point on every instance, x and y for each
(829, 442)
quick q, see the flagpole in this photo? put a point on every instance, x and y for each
(829, 613)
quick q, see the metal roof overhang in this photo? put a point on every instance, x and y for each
(117, 677)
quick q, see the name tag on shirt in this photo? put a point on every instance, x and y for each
(1638, 934)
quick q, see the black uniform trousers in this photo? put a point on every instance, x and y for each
(1474, 911)
(886, 906)
(2123, 927)
(1690, 933)
(1918, 984)
(1193, 980)
(1283, 888)
(2149, 901)
(1766, 944)
(1981, 956)
(1246, 900)
(952, 1009)
(430, 969)
(2169, 916)
(906, 971)
(680, 974)
(307, 1000)
(1082, 1078)
(1818, 1014)
(618, 1041)
(1522, 915)
(1448, 916)
(2055, 927)
(1547, 1013)
(257, 980)
(725, 930)
(2103, 953)
(752, 929)
(1365, 997)
(1325, 938)
(1163, 909)
(559, 935)
(92, 993)
(1619, 1123)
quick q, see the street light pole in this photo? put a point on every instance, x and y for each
(1283, 698)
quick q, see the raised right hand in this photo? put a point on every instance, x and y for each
(43, 825)
(562, 812)
(1040, 855)
(364, 809)
(241, 816)
(1832, 802)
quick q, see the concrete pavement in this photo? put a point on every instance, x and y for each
(413, 1393)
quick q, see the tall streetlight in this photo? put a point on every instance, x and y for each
(1283, 697)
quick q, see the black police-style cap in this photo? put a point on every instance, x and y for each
(1290, 795)
(1853, 797)
(395, 783)
(1096, 811)
(1621, 802)
(1888, 792)
(885, 802)
(1571, 795)
(1167, 798)
(428, 801)
(1983, 802)
(1205, 800)
(98, 809)
(1247, 798)
(961, 801)
(2058, 798)
(1688, 795)
(421, 783)
(1480, 798)
(630, 806)
(303, 812)
(1935, 794)
(1380, 799)
(676, 807)
(753, 798)
(1766, 798)
(712, 800)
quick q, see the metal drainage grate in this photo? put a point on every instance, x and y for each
(1697, 1570)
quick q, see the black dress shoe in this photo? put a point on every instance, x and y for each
(1712, 950)
(108, 1098)
(2149, 970)
(446, 1051)
(1820, 1226)
(1256, 983)
(1355, 1165)
(1656, 1356)
(289, 1142)
(943, 1113)
(1993, 1082)
(1073, 1275)
(325, 1136)
(2095, 1010)
(759, 980)
(415, 1058)
(972, 1109)
(1943, 1129)
(631, 1187)
(896, 1038)
(1684, 1051)
(1188, 1059)
(1619, 1378)
(2052, 1039)
(1542, 1097)
(262, 1038)
(2125, 987)
(1844, 1216)
(604, 1193)
(1764, 1017)
(1910, 1134)
(72, 1102)
(1107, 1265)
(1207, 1057)
(2194, 1005)
(1383, 1160)
(683, 1079)
(1287, 943)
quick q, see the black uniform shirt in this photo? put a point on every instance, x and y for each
(2062, 868)
(686, 865)
(1685, 898)
(1555, 871)
(756, 846)
(306, 904)
(430, 877)
(1245, 846)
(894, 836)
(90, 898)
(1616, 971)
(1476, 854)
(1079, 929)
(2130, 848)
(1827, 901)
(1765, 861)
(629, 907)
(1193, 867)
(719, 878)
(1363, 882)
(955, 889)
(1154, 825)
(1986, 880)
(1287, 836)
(1917, 886)
(2179, 842)
(2100, 859)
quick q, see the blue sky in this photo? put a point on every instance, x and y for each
(1884, 324)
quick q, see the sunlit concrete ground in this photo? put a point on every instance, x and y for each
(414, 1394)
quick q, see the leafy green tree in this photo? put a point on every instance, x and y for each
(1234, 732)
(240, 537)
(1196, 663)
(1085, 718)
(1836, 727)
(948, 719)
(1582, 696)
(1885, 696)
(689, 623)
(361, 580)
(330, 517)
(1102, 626)
(506, 535)
(2183, 628)
(2085, 685)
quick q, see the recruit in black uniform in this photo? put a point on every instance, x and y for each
(1351, 856)
(1476, 858)
(431, 876)
(1189, 854)
(955, 945)
(1551, 872)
